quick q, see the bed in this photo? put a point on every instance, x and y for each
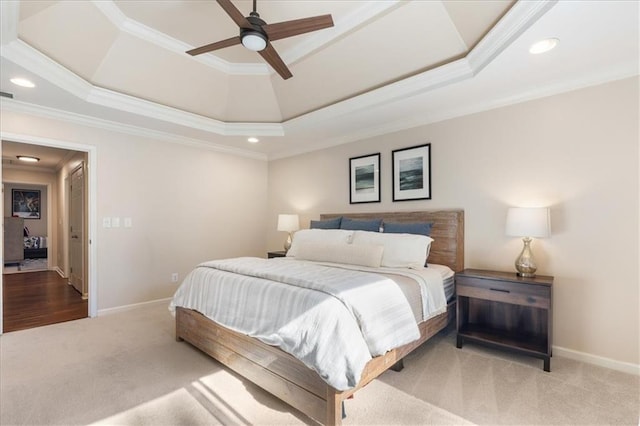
(292, 381)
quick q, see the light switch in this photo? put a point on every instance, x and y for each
(115, 222)
(106, 222)
(128, 222)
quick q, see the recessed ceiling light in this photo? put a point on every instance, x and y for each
(28, 158)
(543, 45)
(22, 82)
(253, 140)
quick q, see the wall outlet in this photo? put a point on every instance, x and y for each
(174, 277)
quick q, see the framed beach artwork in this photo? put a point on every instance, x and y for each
(364, 179)
(25, 203)
(411, 170)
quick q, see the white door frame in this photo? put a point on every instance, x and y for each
(92, 207)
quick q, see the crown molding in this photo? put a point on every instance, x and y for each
(9, 17)
(517, 20)
(88, 121)
(365, 13)
(520, 17)
(143, 32)
(540, 92)
(27, 57)
(33, 60)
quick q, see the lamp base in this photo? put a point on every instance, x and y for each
(287, 243)
(525, 264)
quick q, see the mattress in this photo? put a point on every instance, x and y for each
(448, 280)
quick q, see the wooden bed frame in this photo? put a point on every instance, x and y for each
(289, 379)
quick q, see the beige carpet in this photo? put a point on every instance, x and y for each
(127, 369)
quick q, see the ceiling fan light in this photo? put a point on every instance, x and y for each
(253, 40)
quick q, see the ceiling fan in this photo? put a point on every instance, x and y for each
(257, 35)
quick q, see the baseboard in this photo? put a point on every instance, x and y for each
(59, 271)
(625, 367)
(109, 311)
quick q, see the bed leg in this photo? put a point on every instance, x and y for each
(398, 366)
(334, 408)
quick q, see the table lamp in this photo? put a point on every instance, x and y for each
(527, 223)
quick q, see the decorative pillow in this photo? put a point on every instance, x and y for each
(362, 255)
(326, 236)
(400, 250)
(326, 224)
(408, 228)
(361, 225)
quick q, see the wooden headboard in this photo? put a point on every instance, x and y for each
(447, 232)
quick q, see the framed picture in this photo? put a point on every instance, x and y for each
(411, 170)
(364, 179)
(25, 203)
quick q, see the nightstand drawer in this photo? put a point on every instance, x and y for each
(507, 292)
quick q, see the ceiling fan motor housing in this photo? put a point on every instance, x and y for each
(253, 32)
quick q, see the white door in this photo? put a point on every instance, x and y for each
(76, 232)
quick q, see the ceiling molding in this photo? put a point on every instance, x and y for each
(365, 13)
(29, 58)
(89, 121)
(33, 60)
(9, 17)
(143, 32)
(368, 11)
(517, 20)
(521, 16)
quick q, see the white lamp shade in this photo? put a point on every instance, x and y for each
(288, 222)
(528, 222)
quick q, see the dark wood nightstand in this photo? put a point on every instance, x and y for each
(272, 254)
(504, 310)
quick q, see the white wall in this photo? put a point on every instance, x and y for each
(576, 152)
(187, 205)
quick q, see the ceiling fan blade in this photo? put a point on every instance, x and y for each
(215, 46)
(286, 29)
(271, 56)
(234, 13)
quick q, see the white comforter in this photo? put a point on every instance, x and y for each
(347, 317)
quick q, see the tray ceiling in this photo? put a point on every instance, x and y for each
(385, 65)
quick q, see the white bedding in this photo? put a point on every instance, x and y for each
(333, 319)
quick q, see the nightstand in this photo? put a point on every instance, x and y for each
(503, 310)
(272, 254)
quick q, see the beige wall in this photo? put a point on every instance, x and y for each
(576, 152)
(187, 205)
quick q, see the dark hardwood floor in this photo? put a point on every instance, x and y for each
(34, 299)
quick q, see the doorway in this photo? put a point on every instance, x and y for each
(71, 157)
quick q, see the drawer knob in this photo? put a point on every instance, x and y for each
(500, 290)
(531, 299)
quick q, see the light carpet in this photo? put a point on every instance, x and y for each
(127, 369)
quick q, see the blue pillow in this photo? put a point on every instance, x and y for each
(409, 228)
(326, 224)
(361, 225)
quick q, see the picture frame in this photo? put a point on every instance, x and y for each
(411, 172)
(25, 203)
(364, 179)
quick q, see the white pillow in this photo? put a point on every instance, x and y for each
(326, 236)
(362, 255)
(400, 250)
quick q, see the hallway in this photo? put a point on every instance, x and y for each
(34, 299)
